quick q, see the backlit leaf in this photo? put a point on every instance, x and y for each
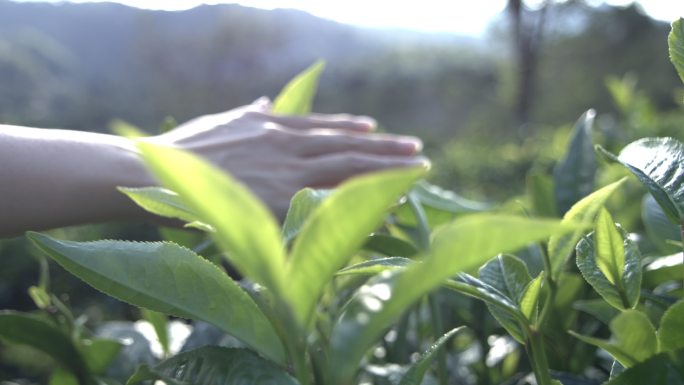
(297, 96)
(303, 203)
(161, 201)
(609, 249)
(671, 332)
(676, 46)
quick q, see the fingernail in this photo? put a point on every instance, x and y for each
(367, 122)
(414, 145)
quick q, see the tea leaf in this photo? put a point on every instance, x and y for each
(598, 308)
(675, 41)
(25, 329)
(657, 370)
(658, 163)
(375, 266)
(671, 332)
(161, 201)
(167, 278)
(213, 365)
(336, 230)
(529, 300)
(540, 188)
(159, 322)
(625, 293)
(658, 227)
(459, 246)
(562, 246)
(245, 228)
(508, 274)
(414, 375)
(633, 338)
(100, 353)
(297, 96)
(574, 175)
(303, 203)
(390, 246)
(610, 253)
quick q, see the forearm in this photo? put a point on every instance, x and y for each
(54, 178)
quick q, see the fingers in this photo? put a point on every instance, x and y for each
(337, 121)
(318, 144)
(330, 170)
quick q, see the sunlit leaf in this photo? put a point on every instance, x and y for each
(336, 230)
(562, 246)
(245, 228)
(609, 249)
(303, 203)
(529, 300)
(574, 174)
(161, 201)
(671, 332)
(658, 163)
(461, 246)
(624, 294)
(213, 365)
(633, 338)
(297, 96)
(167, 278)
(676, 46)
(389, 246)
(375, 266)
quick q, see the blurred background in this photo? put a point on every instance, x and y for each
(493, 89)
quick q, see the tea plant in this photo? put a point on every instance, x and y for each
(320, 293)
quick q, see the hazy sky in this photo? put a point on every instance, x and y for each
(459, 16)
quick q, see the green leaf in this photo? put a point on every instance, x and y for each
(25, 329)
(389, 246)
(574, 175)
(675, 41)
(540, 188)
(161, 201)
(624, 294)
(39, 296)
(609, 249)
(671, 332)
(598, 308)
(562, 246)
(159, 323)
(508, 274)
(167, 278)
(460, 246)
(297, 96)
(336, 230)
(375, 266)
(414, 375)
(633, 338)
(657, 370)
(529, 301)
(245, 228)
(659, 228)
(658, 163)
(303, 203)
(100, 353)
(213, 365)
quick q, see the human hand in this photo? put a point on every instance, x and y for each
(276, 155)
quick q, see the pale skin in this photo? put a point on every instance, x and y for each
(53, 178)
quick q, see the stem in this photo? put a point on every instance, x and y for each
(537, 355)
(438, 330)
(423, 227)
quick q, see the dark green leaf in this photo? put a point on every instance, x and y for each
(390, 246)
(562, 246)
(574, 175)
(657, 370)
(508, 274)
(659, 228)
(461, 246)
(598, 308)
(297, 96)
(303, 203)
(245, 228)
(659, 164)
(336, 230)
(671, 332)
(213, 365)
(25, 329)
(415, 374)
(624, 294)
(100, 353)
(675, 41)
(167, 278)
